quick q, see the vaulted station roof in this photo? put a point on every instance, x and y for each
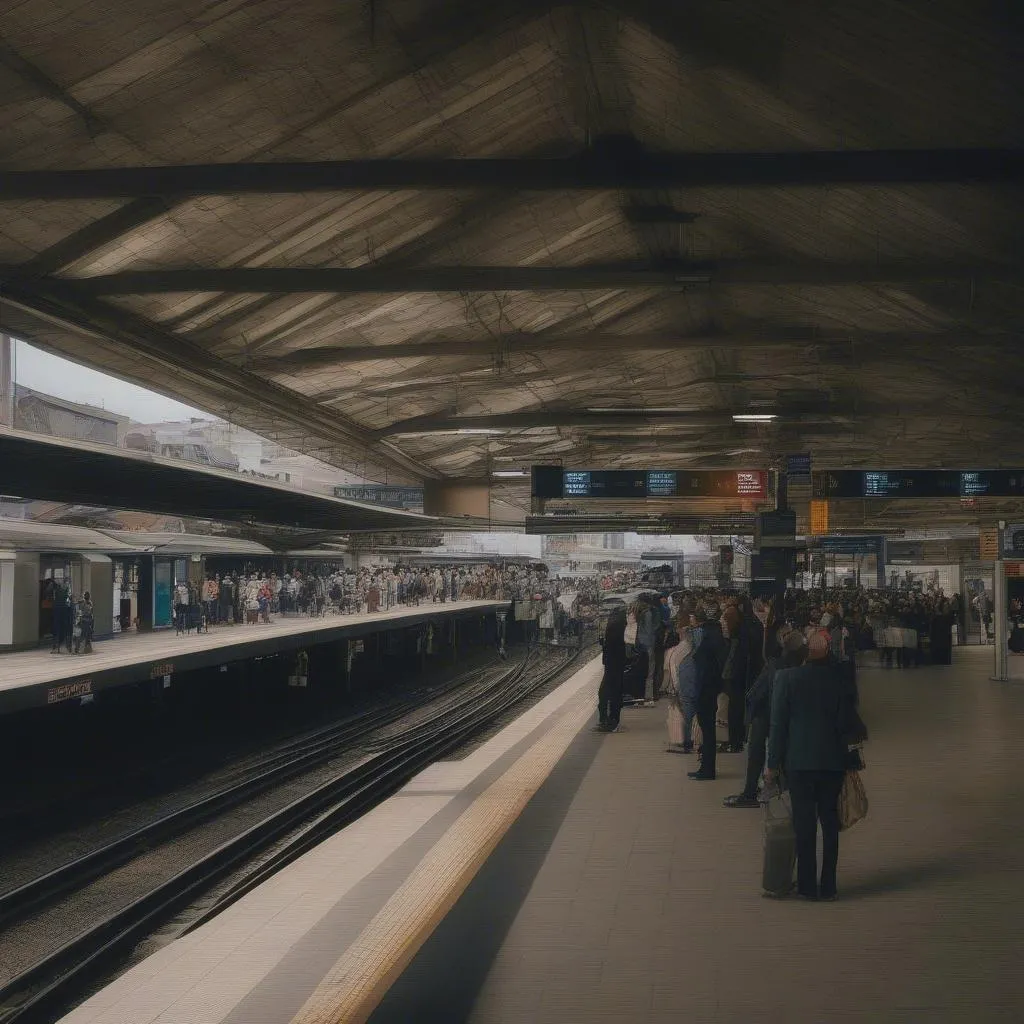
(421, 238)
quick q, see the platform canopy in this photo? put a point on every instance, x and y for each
(442, 238)
(60, 470)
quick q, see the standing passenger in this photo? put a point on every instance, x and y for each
(810, 708)
(708, 662)
(647, 623)
(609, 697)
(787, 649)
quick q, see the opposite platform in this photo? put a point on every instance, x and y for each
(35, 678)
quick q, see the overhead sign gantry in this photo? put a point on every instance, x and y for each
(918, 483)
(554, 482)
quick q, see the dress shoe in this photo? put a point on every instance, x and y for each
(700, 776)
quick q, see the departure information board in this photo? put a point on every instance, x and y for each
(917, 483)
(617, 484)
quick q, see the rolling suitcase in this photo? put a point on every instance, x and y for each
(779, 846)
(674, 722)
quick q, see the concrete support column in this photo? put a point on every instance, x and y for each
(462, 497)
(6, 380)
(999, 615)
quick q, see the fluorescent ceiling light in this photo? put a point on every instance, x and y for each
(753, 417)
(510, 472)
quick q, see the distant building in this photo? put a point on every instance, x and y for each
(213, 442)
(57, 417)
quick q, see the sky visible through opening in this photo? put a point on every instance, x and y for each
(53, 375)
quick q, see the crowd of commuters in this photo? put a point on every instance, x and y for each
(73, 620)
(253, 597)
(779, 678)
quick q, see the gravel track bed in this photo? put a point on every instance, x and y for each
(24, 942)
(588, 652)
(47, 853)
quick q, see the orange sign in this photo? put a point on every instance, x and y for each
(819, 518)
(988, 544)
(1015, 569)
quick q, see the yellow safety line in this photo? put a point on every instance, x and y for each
(358, 981)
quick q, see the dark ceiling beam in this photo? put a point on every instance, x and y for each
(95, 235)
(35, 76)
(547, 419)
(227, 385)
(376, 278)
(486, 350)
(613, 167)
(400, 280)
(658, 213)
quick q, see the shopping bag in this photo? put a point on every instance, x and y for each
(722, 714)
(779, 845)
(853, 801)
(696, 733)
(674, 721)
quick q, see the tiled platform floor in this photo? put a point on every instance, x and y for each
(627, 893)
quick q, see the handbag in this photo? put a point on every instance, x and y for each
(631, 630)
(853, 801)
(722, 711)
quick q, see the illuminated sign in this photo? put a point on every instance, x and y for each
(634, 484)
(917, 483)
(752, 484)
(819, 518)
(163, 669)
(662, 484)
(576, 485)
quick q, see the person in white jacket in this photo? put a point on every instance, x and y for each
(679, 742)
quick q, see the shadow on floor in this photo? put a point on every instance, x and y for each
(910, 876)
(445, 977)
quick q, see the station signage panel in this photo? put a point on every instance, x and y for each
(798, 468)
(618, 484)
(869, 545)
(917, 483)
(408, 498)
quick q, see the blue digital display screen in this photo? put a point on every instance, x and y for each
(662, 484)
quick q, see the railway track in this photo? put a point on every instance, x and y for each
(51, 982)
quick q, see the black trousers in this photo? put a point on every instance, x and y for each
(609, 696)
(756, 753)
(815, 797)
(736, 714)
(707, 705)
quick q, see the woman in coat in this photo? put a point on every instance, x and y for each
(682, 696)
(609, 696)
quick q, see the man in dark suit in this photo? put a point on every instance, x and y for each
(812, 707)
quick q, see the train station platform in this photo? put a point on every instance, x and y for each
(36, 678)
(556, 874)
